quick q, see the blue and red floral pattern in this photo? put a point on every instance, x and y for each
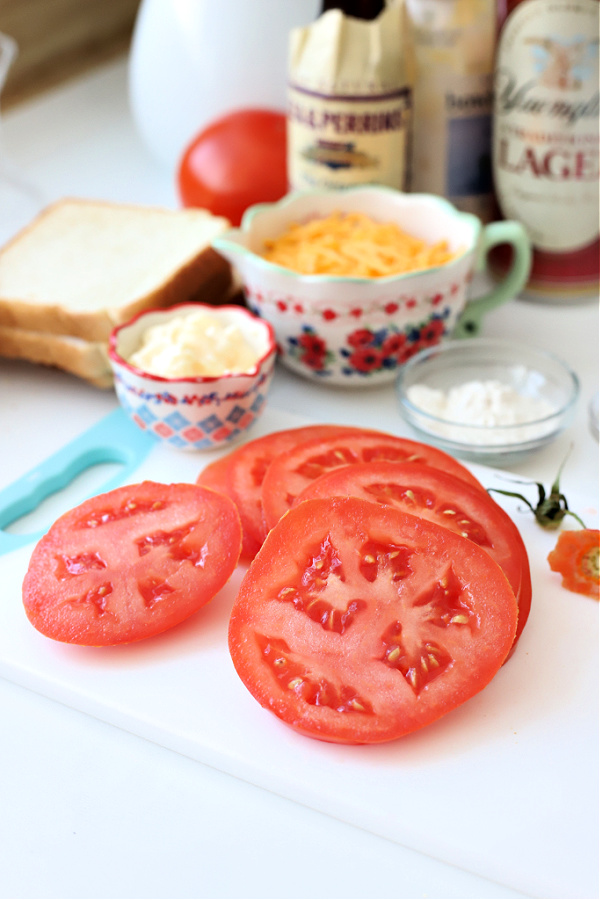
(367, 350)
(357, 340)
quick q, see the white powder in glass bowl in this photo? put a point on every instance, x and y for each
(482, 405)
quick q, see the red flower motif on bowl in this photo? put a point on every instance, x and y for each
(362, 337)
(366, 359)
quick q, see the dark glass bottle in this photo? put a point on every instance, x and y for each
(545, 144)
(359, 9)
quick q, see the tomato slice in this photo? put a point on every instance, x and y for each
(240, 475)
(131, 563)
(359, 623)
(293, 471)
(439, 497)
(577, 558)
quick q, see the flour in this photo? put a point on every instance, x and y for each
(476, 406)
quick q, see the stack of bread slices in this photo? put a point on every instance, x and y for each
(84, 266)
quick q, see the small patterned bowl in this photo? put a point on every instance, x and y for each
(358, 331)
(202, 412)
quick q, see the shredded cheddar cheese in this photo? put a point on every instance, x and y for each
(354, 245)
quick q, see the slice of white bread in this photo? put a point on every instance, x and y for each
(83, 266)
(86, 359)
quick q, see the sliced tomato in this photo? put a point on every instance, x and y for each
(240, 475)
(435, 495)
(359, 623)
(577, 558)
(131, 563)
(292, 472)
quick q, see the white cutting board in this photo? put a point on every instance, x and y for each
(505, 787)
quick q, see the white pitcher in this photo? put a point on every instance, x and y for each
(193, 60)
(20, 200)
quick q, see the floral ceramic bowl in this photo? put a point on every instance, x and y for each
(199, 412)
(357, 331)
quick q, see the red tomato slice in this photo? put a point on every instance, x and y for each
(442, 498)
(290, 473)
(359, 623)
(240, 475)
(131, 563)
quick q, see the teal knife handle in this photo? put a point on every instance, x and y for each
(115, 439)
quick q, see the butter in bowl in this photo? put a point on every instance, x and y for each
(195, 376)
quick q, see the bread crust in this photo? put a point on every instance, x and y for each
(85, 359)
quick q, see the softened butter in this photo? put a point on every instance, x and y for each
(195, 344)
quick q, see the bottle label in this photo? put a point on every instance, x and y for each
(545, 141)
(336, 141)
(452, 156)
(454, 43)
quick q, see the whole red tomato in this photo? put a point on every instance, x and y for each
(237, 160)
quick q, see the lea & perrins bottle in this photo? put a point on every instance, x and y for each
(349, 97)
(545, 141)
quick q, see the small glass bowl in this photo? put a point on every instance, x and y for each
(534, 374)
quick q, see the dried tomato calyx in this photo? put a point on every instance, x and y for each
(550, 510)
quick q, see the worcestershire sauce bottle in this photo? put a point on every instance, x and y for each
(349, 98)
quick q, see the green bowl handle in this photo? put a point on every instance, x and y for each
(513, 233)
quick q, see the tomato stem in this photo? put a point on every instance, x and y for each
(550, 509)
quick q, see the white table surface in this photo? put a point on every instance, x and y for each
(91, 811)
